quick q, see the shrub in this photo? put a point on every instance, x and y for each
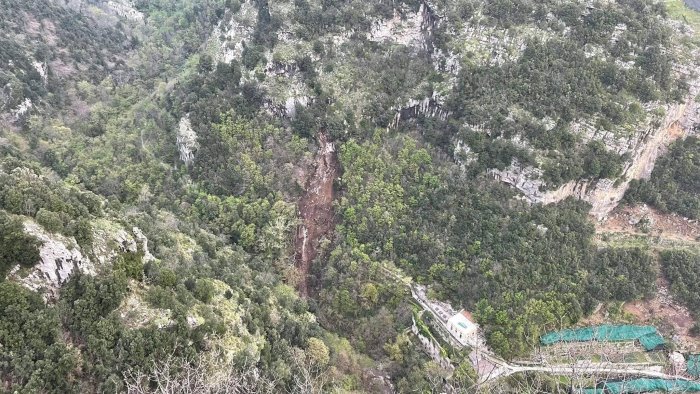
(51, 221)
(204, 290)
(16, 247)
(131, 263)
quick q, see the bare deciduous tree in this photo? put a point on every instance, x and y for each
(174, 375)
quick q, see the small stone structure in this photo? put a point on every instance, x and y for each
(463, 329)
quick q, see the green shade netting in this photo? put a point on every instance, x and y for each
(648, 336)
(693, 365)
(644, 385)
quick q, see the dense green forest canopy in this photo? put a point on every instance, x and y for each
(681, 267)
(195, 124)
(674, 185)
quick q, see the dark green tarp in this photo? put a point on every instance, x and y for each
(644, 385)
(693, 365)
(648, 336)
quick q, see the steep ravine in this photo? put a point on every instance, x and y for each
(316, 209)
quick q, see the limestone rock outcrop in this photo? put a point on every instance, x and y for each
(186, 140)
(643, 148)
(60, 258)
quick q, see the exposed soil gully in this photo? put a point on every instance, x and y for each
(316, 209)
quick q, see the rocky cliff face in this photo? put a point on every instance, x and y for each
(230, 36)
(61, 257)
(604, 194)
(186, 140)
(479, 43)
(429, 107)
(412, 29)
(125, 9)
(285, 83)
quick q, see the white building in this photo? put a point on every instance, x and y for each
(463, 328)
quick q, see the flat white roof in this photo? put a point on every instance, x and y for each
(460, 321)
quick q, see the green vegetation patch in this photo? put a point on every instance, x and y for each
(682, 268)
(16, 247)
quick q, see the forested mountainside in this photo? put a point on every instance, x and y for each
(217, 195)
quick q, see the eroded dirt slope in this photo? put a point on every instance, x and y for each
(643, 220)
(316, 209)
(643, 226)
